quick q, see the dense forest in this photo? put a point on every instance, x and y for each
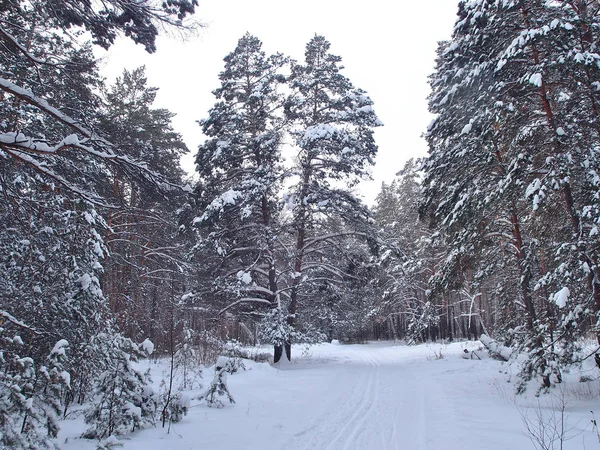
(109, 251)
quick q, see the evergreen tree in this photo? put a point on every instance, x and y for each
(143, 234)
(481, 207)
(52, 191)
(240, 169)
(407, 260)
(504, 90)
(32, 397)
(123, 399)
(218, 386)
(185, 362)
(332, 125)
(36, 75)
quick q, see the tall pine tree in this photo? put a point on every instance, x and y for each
(240, 170)
(332, 124)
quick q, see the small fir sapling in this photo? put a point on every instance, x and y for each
(30, 400)
(55, 381)
(123, 398)
(186, 364)
(176, 405)
(218, 386)
(176, 409)
(235, 355)
(16, 376)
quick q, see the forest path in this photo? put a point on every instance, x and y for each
(382, 399)
(376, 396)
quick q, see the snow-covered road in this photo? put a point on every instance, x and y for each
(374, 396)
(381, 397)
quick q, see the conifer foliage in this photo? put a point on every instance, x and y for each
(123, 400)
(269, 236)
(240, 168)
(56, 207)
(514, 95)
(332, 125)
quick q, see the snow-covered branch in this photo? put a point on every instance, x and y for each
(245, 300)
(29, 97)
(10, 318)
(327, 237)
(328, 268)
(30, 145)
(42, 168)
(10, 38)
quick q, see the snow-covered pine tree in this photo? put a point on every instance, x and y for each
(52, 170)
(31, 399)
(186, 363)
(240, 170)
(473, 203)
(54, 380)
(218, 387)
(515, 95)
(123, 399)
(50, 239)
(332, 124)
(50, 276)
(48, 76)
(482, 207)
(141, 131)
(555, 65)
(406, 262)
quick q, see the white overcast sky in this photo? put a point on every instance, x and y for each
(387, 48)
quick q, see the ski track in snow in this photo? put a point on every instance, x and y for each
(386, 407)
(372, 400)
(355, 425)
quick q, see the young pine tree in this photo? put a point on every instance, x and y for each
(123, 400)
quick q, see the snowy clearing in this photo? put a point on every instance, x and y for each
(372, 396)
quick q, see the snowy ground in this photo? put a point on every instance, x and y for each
(374, 396)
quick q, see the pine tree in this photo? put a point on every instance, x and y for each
(123, 399)
(32, 396)
(143, 234)
(406, 261)
(186, 364)
(218, 386)
(504, 90)
(332, 124)
(47, 88)
(553, 63)
(240, 169)
(54, 165)
(482, 208)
